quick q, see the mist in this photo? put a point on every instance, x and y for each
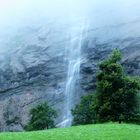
(15, 14)
(19, 12)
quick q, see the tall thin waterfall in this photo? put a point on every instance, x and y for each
(73, 54)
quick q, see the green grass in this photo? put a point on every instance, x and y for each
(88, 132)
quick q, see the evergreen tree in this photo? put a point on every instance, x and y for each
(116, 92)
(42, 117)
(115, 98)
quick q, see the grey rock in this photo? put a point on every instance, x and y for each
(35, 69)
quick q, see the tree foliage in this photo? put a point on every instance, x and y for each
(42, 117)
(83, 112)
(116, 95)
(116, 92)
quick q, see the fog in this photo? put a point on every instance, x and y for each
(15, 14)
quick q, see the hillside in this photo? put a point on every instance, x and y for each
(89, 132)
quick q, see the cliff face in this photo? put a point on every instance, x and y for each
(102, 41)
(33, 71)
(34, 68)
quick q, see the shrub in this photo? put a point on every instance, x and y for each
(83, 112)
(42, 117)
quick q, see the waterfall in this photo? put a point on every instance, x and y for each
(74, 59)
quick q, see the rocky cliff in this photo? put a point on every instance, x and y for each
(34, 39)
(35, 70)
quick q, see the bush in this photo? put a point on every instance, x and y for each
(42, 117)
(83, 112)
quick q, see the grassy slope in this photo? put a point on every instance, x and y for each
(89, 132)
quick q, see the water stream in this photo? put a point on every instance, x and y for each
(73, 54)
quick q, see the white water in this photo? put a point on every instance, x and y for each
(73, 54)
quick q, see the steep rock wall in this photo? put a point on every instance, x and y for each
(35, 69)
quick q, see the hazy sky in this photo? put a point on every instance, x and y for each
(18, 13)
(22, 11)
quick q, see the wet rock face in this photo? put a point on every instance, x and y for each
(130, 49)
(36, 69)
(31, 74)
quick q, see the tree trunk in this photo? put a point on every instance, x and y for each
(120, 121)
(47, 127)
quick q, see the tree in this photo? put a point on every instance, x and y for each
(115, 98)
(83, 112)
(116, 92)
(42, 117)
